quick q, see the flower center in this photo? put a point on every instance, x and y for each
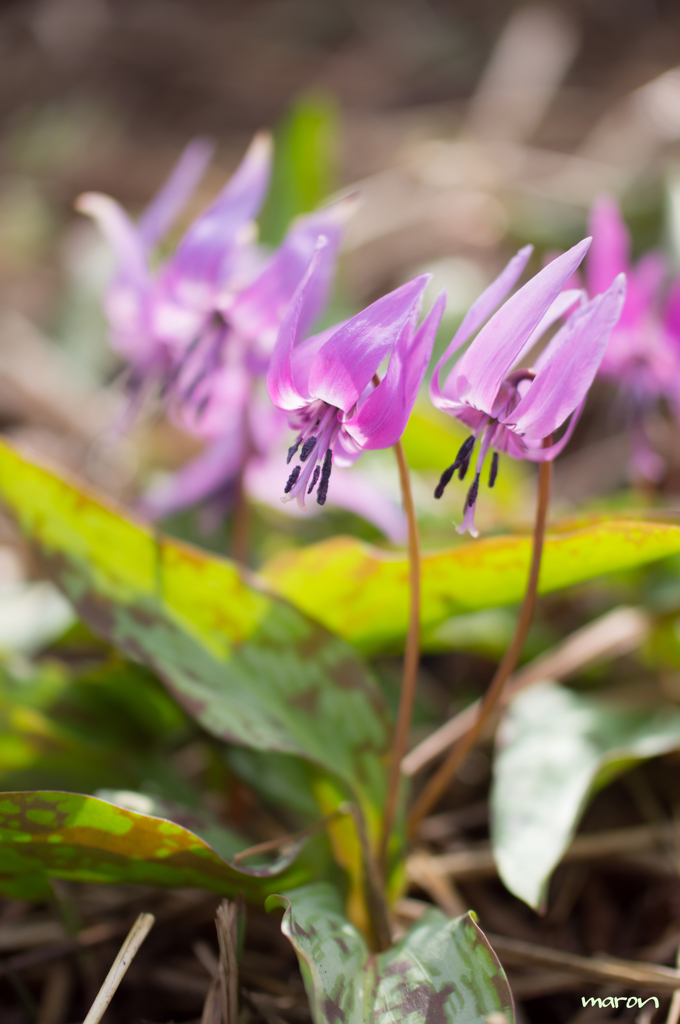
(507, 398)
(319, 428)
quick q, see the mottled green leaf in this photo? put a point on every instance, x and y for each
(251, 668)
(224, 841)
(555, 748)
(442, 971)
(47, 835)
(369, 606)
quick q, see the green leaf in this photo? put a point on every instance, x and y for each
(224, 841)
(249, 667)
(304, 164)
(111, 725)
(555, 748)
(283, 782)
(441, 971)
(369, 586)
(47, 835)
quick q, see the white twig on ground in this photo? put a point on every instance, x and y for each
(126, 954)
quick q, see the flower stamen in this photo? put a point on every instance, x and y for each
(314, 480)
(292, 480)
(493, 472)
(307, 448)
(472, 493)
(462, 460)
(292, 450)
(325, 477)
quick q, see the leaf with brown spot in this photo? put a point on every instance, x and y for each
(360, 592)
(251, 668)
(442, 971)
(47, 835)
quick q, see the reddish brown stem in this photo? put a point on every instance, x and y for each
(411, 658)
(439, 782)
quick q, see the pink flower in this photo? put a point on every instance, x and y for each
(643, 354)
(152, 315)
(202, 328)
(518, 411)
(326, 383)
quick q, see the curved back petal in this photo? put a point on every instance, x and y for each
(610, 252)
(280, 382)
(480, 310)
(345, 365)
(568, 366)
(479, 373)
(257, 311)
(164, 208)
(205, 248)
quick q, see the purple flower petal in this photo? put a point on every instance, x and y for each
(567, 367)
(126, 297)
(480, 310)
(480, 371)
(382, 417)
(522, 448)
(672, 312)
(420, 349)
(560, 307)
(202, 256)
(162, 211)
(121, 234)
(345, 365)
(203, 477)
(644, 284)
(281, 384)
(305, 353)
(257, 311)
(609, 255)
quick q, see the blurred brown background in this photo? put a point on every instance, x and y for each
(102, 94)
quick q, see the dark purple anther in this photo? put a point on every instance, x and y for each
(444, 480)
(292, 450)
(465, 451)
(292, 479)
(307, 448)
(472, 493)
(325, 477)
(493, 472)
(315, 477)
(461, 463)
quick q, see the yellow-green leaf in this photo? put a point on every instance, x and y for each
(360, 592)
(251, 668)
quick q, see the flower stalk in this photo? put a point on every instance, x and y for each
(441, 779)
(411, 659)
